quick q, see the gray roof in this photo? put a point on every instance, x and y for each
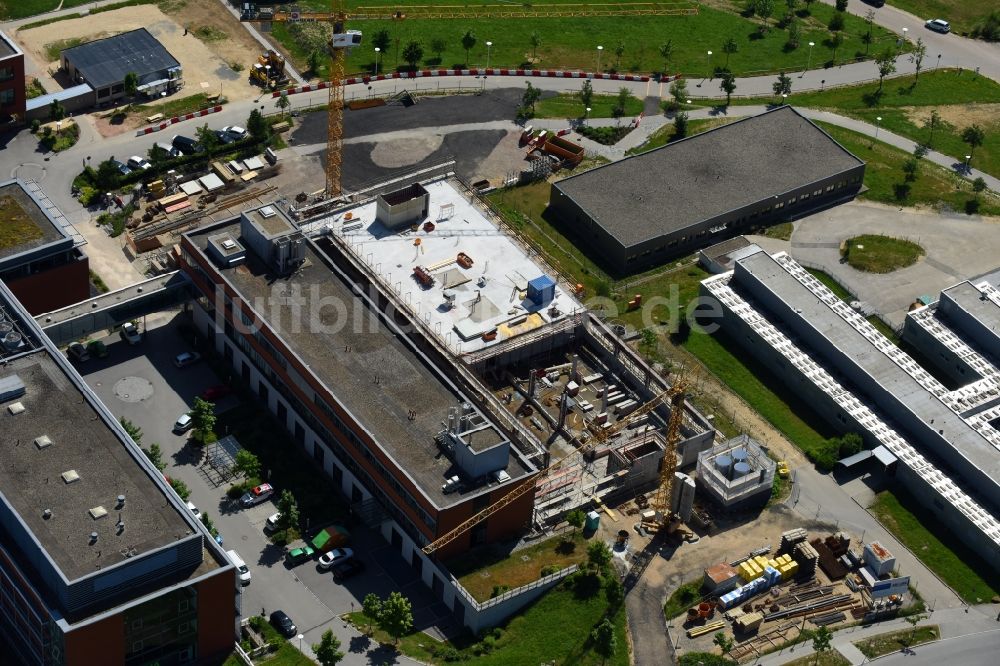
(106, 61)
(984, 312)
(706, 175)
(7, 46)
(372, 373)
(949, 437)
(31, 477)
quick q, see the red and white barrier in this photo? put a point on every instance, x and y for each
(178, 119)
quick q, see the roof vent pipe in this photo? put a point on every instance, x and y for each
(47, 514)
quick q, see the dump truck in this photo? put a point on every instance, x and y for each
(330, 537)
(269, 70)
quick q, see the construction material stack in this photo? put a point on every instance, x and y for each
(790, 539)
(807, 558)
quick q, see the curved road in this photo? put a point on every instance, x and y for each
(972, 650)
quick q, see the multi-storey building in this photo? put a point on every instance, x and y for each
(12, 93)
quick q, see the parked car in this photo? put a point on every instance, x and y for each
(335, 557)
(283, 623)
(297, 556)
(938, 25)
(97, 348)
(187, 358)
(348, 569)
(136, 162)
(171, 150)
(224, 137)
(875, 3)
(130, 334)
(216, 392)
(186, 144)
(271, 523)
(258, 494)
(183, 423)
(77, 352)
(122, 168)
(235, 131)
(193, 509)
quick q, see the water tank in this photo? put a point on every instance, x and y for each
(740, 470)
(723, 464)
(12, 341)
(739, 455)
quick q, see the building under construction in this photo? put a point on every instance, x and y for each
(736, 474)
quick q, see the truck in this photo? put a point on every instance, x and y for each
(330, 537)
(269, 70)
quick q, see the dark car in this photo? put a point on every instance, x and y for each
(217, 392)
(186, 144)
(348, 569)
(283, 623)
(225, 137)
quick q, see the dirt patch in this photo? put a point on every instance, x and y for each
(958, 115)
(108, 127)
(506, 157)
(206, 65)
(398, 153)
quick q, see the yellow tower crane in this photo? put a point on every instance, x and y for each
(600, 435)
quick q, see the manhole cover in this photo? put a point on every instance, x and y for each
(133, 389)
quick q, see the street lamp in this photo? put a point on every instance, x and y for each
(938, 62)
(300, 637)
(878, 120)
(810, 58)
(377, 51)
(784, 98)
(709, 64)
(489, 47)
(586, 115)
(967, 168)
(599, 49)
(905, 30)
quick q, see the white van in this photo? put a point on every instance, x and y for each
(241, 566)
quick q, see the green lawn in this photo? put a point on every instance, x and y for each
(838, 290)
(572, 42)
(874, 253)
(553, 630)
(962, 14)
(16, 226)
(665, 134)
(682, 598)
(876, 646)
(18, 9)
(481, 570)
(955, 563)
(570, 106)
(829, 658)
(934, 187)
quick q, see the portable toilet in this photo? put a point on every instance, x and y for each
(542, 290)
(593, 522)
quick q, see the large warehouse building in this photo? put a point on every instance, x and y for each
(940, 438)
(640, 211)
(104, 63)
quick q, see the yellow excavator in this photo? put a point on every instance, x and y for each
(269, 71)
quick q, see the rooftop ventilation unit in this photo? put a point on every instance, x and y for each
(229, 244)
(44, 442)
(16, 408)
(11, 387)
(98, 512)
(70, 476)
(121, 501)
(46, 514)
(93, 538)
(268, 211)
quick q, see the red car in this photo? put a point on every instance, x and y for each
(215, 392)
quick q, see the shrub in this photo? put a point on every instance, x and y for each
(88, 195)
(35, 124)
(498, 590)
(447, 653)
(972, 206)
(549, 569)
(180, 488)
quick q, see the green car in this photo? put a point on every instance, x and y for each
(97, 348)
(297, 556)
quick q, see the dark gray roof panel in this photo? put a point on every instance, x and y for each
(106, 61)
(706, 175)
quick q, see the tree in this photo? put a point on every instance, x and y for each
(203, 417)
(666, 50)
(396, 616)
(850, 444)
(680, 125)
(783, 86)
(371, 606)
(134, 431)
(535, 40)
(131, 84)
(794, 33)
(412, 53)
(917, 58)
(886, 64)
(288, 510)
(598, 555)
(821, 641)
(327, 651)
(791, 4)
(621, 103)
(836, 42)
(728, 85)
(586, 93)
(282, 103)
(247, 464)
(155, 456)
(157, 155)
(841, 5)
(56, 110)
(920, 151)
(438, 46)
(836, 23)
(180, 488)
(724, 642)
(257, 124)
(576, 518)
(381, 40)
(869, 19)
(764, 9)
(207, 137)
(931, 124)
(312, 61)
(468, 41)
(913, 621)
(679, 90)
(619, 52)
(531, 95)
(974, 136)
(614, 592)
(729, 47)
(107, 176)
(979, 185)
(603, 638)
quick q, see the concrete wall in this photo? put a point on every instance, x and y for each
(53, 287)
(936, 352)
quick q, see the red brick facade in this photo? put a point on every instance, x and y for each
(12, 94)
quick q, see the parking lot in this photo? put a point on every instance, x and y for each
(141, 384)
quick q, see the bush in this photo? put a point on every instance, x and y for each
(180, 488)
(972, 206)
(35, 124)
(88, 195)
(549, 569)
(605, 135)
(988, 28)
(447, 653)
(498, 590)
(670, 105)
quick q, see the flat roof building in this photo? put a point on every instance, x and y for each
(98, 556)
(13, 96)
(941, 436)
(41, 259)
(103, 64)
(698, 191)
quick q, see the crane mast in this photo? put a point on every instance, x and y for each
(335, 107)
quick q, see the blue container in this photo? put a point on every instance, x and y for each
(593, 522)
(542, 290)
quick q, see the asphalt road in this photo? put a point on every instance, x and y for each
(973, 650)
